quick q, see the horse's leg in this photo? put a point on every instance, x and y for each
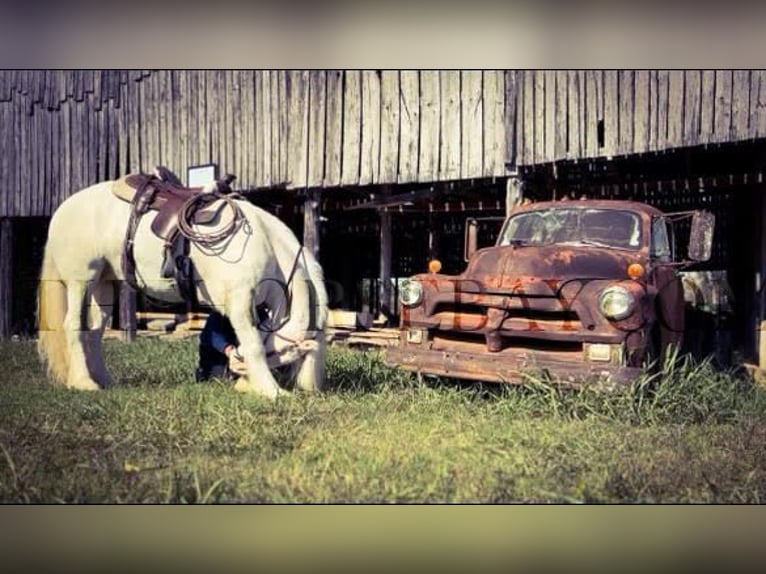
(78, 376)
(259, 378)
(100, 315)
(311, 372)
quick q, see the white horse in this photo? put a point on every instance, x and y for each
(262, 262)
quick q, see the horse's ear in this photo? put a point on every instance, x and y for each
(224, 184)
(164, 174)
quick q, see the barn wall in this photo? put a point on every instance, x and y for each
(64, 130)
(576, 114)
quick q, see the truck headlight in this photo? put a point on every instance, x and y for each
(616, 302)
(411, 292)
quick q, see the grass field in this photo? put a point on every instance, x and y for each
(376, 435)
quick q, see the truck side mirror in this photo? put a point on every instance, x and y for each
(701, 236)
(471, 237)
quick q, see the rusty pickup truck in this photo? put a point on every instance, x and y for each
(582, 289)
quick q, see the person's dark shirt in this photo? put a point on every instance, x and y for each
(217, 334)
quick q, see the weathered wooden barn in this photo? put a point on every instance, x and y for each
(378, 169)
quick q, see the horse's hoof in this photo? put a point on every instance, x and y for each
(83, 385)
(243, 386)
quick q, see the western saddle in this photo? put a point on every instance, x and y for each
(177, 207)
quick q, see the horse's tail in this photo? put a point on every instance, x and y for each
(51, 310)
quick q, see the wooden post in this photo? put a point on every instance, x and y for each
(6, 279)
(311, 215)
(384, 284)
(127, 312)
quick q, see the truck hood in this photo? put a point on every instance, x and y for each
(506, 267)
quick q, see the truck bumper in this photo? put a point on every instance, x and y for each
(506, 366)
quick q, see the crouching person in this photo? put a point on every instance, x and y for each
(218, 354)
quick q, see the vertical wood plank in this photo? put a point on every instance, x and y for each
(149, 112)
(134, 125)
(231, 134)
(513, 117)
(389, 126)
(352, 119)
(560, 114)
(652, 136)
(675, 108)
(707, 98)
(574, 128)
(113, 140)
(591, 112)
(740, 104)
(267, 128)
(46, 199)
(92, 114)
(296, 129)
(753, 103)
(663, 84)
(550, 116)
(472, 114)
(249, 152)
(284, 110)
(692, 97)
(103, 142)
(192, 124)
(317, 113)
(642, 111)
(760, 116)
(626, 120)
(334, 129)
(539, 116)
(56, 175)
(215, 118)
(723, 86)
(276, 151)
(428, 158)
(164, 106)
(611, 113)
(259, 159)
(204, 149)
(34, 191)
(180, 93)
(409, 142)
(494, 127)
(449, 148)
(78, 180)
(66, 151)
(530, 133)
(370, 145)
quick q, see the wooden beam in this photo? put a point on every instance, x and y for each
(6, 277)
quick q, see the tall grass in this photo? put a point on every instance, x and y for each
(686, 433)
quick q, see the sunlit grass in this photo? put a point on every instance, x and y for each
(687, 433)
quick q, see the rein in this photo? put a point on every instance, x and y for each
(290, 277)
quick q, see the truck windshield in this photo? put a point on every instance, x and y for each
(578, 226)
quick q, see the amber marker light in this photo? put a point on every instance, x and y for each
(635, 270)
(434, 266)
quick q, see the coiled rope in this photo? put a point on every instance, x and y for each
(209, 238)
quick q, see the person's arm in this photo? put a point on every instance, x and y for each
(220, 334)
